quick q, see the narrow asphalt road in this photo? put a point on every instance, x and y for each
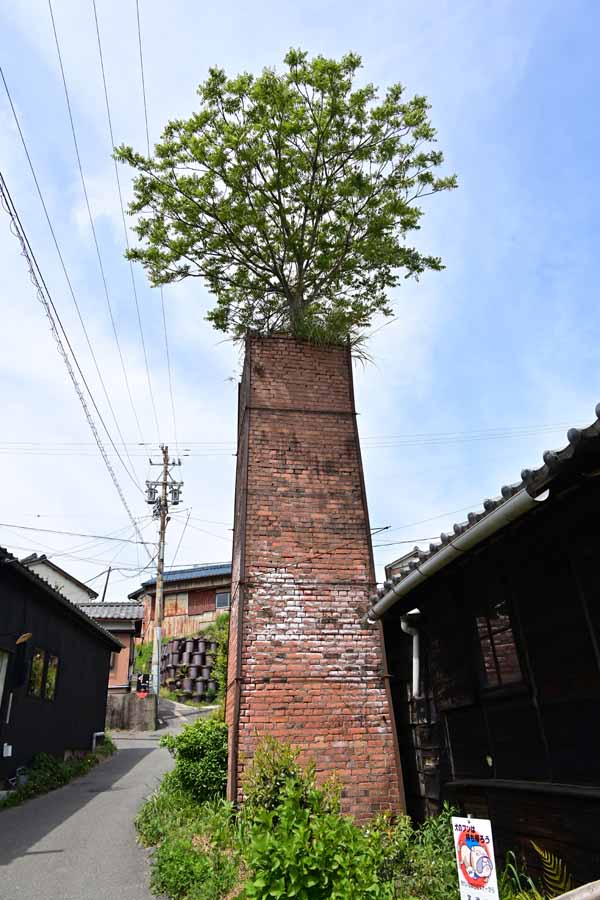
(78, 843)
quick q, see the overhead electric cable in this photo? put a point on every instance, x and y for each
(73, 297)
(126, 233)
(187, 522)
(139, 31)
(45, 299)
(91, 218)
(162, 297)
(168, 355)
(99, 537)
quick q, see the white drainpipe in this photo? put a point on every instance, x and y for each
(503, 515)
(416, 656)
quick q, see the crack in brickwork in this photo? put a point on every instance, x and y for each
(300, 666)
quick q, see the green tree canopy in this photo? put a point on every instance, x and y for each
(292, 195)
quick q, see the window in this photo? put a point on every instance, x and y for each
(43, 675)
(36, 673)
(176, 604)
(51, 676)
(3, 668)
(223, 599)
(113, 659)
(498, 648)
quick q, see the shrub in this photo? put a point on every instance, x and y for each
(47, 772)
(200, 752)
(296, 843)
(420, 862)
(274, 766)
(306, 849)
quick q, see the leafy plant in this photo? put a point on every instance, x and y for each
(183, 871)
(305, 849)
(292, 195)
(143, 659)
(200, 752)
(47, 772)
(168, 809)
(557, 879)
(196, 856)
(275, 768)
(421, 861)
(221, 636)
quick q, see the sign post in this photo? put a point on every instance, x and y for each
(475, 861)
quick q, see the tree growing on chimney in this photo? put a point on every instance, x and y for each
(293, 195)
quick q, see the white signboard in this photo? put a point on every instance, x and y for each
(475, 860)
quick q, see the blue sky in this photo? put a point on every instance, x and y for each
(506, 337)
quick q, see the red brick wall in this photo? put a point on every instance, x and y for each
(300, 665)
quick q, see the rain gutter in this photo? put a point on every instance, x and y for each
(508, 512)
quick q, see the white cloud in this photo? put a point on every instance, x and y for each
(497, 338)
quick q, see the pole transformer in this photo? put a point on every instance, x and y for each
(160, 494)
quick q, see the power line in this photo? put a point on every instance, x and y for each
(187, 522)
(162, 296)
(162, 303)
(125, 231)
(91, 218)
(46, 300)
(99, 537)
(72, 292)
(139, 31)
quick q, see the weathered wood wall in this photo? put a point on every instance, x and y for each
(526, 752)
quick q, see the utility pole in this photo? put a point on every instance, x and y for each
(106, 583)
(167, 486)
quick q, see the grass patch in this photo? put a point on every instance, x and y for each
(46, 773)
(196, 856)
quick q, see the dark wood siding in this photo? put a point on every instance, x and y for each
(523, 750)
(78, 710)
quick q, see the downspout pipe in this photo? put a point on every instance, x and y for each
(413, 631)
(519, 504)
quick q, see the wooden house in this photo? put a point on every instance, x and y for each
(493, 647)
(193, 597)
(123, 621)
(54, 664)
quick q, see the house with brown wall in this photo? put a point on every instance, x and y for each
(193, 597)
(124, 621)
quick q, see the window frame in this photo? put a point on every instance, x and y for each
(47, 657)
(217, 593)
(502, 687)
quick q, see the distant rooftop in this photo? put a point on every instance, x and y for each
(113, 610)
(205, 570)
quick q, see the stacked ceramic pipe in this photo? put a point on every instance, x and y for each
(187, 667)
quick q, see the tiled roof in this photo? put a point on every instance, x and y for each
(209, 570)
(581, 453)
(60, 599)
(112, 610)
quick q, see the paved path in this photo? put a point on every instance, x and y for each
(78, 843)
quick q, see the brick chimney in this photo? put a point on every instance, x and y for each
(301, 668)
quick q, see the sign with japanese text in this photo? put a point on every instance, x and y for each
(474, 848)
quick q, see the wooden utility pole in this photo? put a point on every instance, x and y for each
(166, 484)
